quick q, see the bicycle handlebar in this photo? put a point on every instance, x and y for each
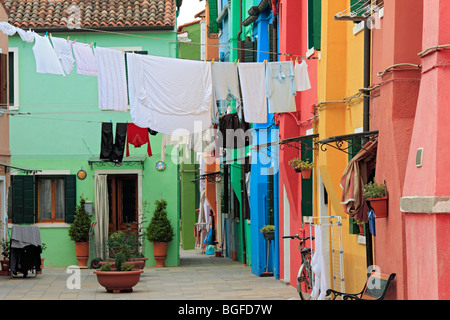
(297, 237)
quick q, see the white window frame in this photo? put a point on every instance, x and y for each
(15, 51)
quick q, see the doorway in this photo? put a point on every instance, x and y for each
(123, 203)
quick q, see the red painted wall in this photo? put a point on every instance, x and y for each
(293, 40)
(427, 235)
(393, 108)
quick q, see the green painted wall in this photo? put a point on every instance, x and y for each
(191, 51)
(63, 130)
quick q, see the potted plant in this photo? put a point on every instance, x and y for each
(79, 232)
(303, 166)
(376, 195)
(5, 252)
(120, 276)
(268, 231)
(160, 232)
(360, 226)
(119, 241)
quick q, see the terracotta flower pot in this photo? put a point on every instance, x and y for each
(160, 253)
(5, 265)
(306, 173)
(118, 281)
(82, 253)
(380, 206)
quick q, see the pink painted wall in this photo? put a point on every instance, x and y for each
(393, 108)
(293, 40)
(427, 235)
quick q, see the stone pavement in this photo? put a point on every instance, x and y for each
(199, 277)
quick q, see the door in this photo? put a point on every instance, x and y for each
(123, 205)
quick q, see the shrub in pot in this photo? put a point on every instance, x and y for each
(160, 232)
(79, 232)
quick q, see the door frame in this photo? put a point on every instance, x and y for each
(137, 172)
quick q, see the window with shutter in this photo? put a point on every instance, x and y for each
(354, 146)
(70, 184)
(307, 184)
(23, 199)
(314, 24)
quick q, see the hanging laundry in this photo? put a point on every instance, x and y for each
(45, 56)
(234, 133)
(302, 76)
(137, 136)
(225, 80)
(112, 79)
(110, 151)
(27, 36)
(171, 96)
(85, 59)
(281, 87)
(253, 88)
(7, 28)
(63, 50)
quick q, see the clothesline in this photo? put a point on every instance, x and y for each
(145, 84)
(190, 43)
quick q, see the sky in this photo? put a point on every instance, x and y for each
(189, 9)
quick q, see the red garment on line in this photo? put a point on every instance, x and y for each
(138, 136)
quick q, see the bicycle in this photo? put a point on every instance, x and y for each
(305, 279)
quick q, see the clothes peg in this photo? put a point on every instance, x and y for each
(235, 60)
(68, 39)
(123, 51)
(91, 44)
(95, 44)
(212, 61)
(46, 34)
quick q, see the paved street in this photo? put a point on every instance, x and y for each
(199, 277)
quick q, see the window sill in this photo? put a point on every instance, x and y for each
(44, 225)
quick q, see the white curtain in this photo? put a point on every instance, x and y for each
(101, 215)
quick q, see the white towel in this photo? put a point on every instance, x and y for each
(302, 76)
(281, 87)
(225, 80)
(45, 56)
(112, 79)
(7, 28)
(253, 88)
(85, 59)
(63, 49)
(171, 96)
(318, 267)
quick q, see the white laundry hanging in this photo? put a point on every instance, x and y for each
(171, 96)
(45, 56)
(27, 36)
(63, 50)
(85, 59)
(253, 87)
(302, 76)
(112, 79)
(318, 267)
(225, 80)
(7, 28)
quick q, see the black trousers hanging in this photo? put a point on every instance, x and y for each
(113, 151)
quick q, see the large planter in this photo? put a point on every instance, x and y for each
(379, 206)
(5, 265)
(142, 262)
(160, 253)
(82, 253)
(118, 281)
(138, 264)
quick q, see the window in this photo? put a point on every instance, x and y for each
(13, 61)
(314, 24)
(51, 201)
(35, 199)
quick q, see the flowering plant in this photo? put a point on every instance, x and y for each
(296, 163)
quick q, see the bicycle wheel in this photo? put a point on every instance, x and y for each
(305, 281)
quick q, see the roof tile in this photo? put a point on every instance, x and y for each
(93, 13)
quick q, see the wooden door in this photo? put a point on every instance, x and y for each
(123, 203)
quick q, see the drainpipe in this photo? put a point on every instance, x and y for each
(366, 123)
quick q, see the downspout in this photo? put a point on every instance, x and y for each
(366, 124)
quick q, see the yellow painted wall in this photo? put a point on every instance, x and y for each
(340, 75)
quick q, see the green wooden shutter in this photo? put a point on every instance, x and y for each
(70, 184)
(314, 24)
(307, 184)
(213, 14)
(23, 199)
(356, 6)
